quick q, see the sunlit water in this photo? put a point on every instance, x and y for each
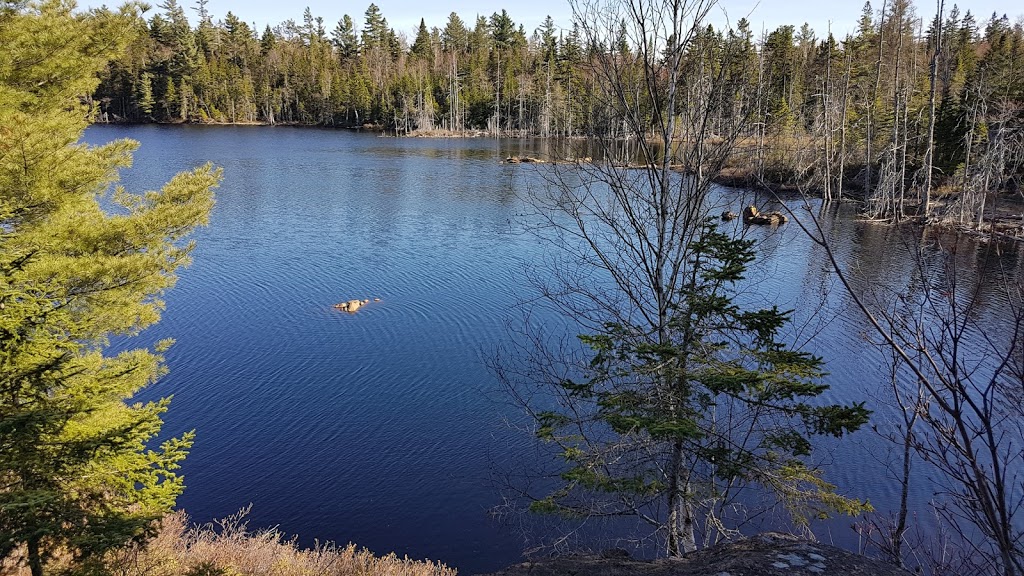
(385, 427)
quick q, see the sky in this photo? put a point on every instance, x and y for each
(404, 15)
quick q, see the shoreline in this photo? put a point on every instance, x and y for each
(1007, 223)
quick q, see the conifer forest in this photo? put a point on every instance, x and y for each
(921, 102)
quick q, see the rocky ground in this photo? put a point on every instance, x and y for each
(768, 554)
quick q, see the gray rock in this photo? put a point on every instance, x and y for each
(768, 554)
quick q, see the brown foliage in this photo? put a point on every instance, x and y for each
(228, 548)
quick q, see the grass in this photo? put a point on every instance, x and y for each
(228, 548)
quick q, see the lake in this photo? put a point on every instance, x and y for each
(385, 427)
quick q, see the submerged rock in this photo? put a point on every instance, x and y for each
(353, 305)
(523, 160)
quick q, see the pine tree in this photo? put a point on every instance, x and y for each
(455, 37)
(344, 38)
(80, 261)
(502, 30)
(374, 28)
(267, 41)
(781, 63)
(548, 40)
(146, 94)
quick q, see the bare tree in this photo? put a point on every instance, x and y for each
(930, 142)
(678, 399)
(993, 162)
(960, 385)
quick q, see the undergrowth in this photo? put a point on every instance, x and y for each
(228, 548)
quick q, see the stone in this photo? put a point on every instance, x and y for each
(350, 306)
(749, 213)
(794, 559)
(752, 216)
(615, 553)
(768, 554)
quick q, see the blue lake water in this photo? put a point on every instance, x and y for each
(385, 427)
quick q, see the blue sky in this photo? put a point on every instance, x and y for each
(404, 15)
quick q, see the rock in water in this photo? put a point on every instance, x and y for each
(752, 216)
(353, 305)
(350, 306)
(749, 214)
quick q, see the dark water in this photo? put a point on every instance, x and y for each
(383, 427)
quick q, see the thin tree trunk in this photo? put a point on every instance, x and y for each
(842, 125)
(762, 114)
(35, 559)
(497, 100)
(868, 159)
(901, 514)
(675, 545)
(903, 154)
(981, 204)
(898, 184)
(930, 150)
(826, 100)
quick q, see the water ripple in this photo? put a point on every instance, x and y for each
(380, 426)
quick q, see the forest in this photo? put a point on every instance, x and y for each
(914, 105)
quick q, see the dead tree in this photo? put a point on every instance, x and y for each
(968, 422)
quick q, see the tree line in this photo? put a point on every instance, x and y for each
(907, 106)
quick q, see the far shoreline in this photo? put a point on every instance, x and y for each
(1002, 225)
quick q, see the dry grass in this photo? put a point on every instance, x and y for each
(228, 548)
(445, 133)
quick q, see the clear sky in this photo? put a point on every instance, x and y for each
(404, 15)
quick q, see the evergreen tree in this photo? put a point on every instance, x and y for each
(781, 70)
(718, 390)
(421, 46)
(502, 30)
(344, 38)
(80, 261)
(548, 40)
(308, 25)
(267, 40)
(146, 94)
(455, 37)
(206, 33)
(375, 28)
